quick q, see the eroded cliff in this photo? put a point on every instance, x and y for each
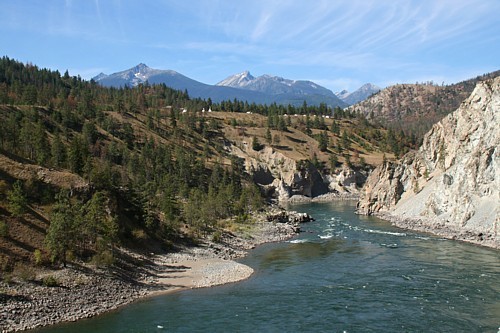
(450, 186)
(287, 179)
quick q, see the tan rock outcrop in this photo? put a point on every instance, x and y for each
(287, 178)
(450, 186)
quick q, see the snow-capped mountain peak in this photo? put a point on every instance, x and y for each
(134, 76)
(343, 94)
(359, 95)
(274, 85)
(264, 89)
(239, 80)
(141, 68)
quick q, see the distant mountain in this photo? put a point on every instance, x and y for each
(284, 91)
(262, 90)
(343, 94)
(275, 85)
(140, 74)
(241, 80)
(359, 95)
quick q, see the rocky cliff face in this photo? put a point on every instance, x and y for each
(450, 186)
(285, 178)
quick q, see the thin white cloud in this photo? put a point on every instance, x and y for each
(262, 26)
(219, 47)
(339, 84)
(389, 39)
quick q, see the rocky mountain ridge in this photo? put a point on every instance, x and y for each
(450, 186)
(264, 89)
(237, 80)
(275, 85)
(414, 108)
(359, 94)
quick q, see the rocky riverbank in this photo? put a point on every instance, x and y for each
(328, 197)
(437, 228)
(83, 291)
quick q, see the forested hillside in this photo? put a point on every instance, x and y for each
(414, 108)
(84, 168)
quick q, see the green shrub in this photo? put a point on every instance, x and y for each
(37, 255)
(7, 278)
(242, 218)
(217, 236)
(70, 256)
(50, 281)
(25, 273)
(6, 264)
(103, 259)
(4, 229)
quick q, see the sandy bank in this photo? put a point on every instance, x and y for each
(84, 291)
(199, 274)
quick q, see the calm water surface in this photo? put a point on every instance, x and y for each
(345, 273)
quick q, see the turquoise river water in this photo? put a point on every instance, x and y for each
(344, 273)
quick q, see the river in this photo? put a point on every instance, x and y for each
(344, 273)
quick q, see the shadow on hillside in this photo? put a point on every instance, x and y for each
(21, 245)
(295, 139)
(16, 157)
(32, 225)
(6, 177)
(38, 216)
(287, 148)
(4, 211)
(8, 252)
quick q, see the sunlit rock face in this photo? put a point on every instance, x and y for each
(451, 183)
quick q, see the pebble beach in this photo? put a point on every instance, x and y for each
(83, 291)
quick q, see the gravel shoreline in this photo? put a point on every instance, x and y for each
(84, 291)
(435, 228)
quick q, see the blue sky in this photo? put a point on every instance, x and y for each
(338, 44)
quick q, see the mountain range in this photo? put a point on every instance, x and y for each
(275, 85)
(265, 89)
(359, 95)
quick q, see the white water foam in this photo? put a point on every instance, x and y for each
(399, 234)
(327, 236)
(298, 241)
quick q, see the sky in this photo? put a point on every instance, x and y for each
(339, 44)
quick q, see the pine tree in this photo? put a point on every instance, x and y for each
(63, 232)
(346, 143)
(99, 222)
(335, 128)
(323, 141)
(41, 144)
(58, 152)
(308, 125)
(256, 144)
(333, 162)
(17, 202)
(78, 155)
(269, 137)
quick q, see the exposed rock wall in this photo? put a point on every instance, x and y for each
(451, 184)
(286, 178)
